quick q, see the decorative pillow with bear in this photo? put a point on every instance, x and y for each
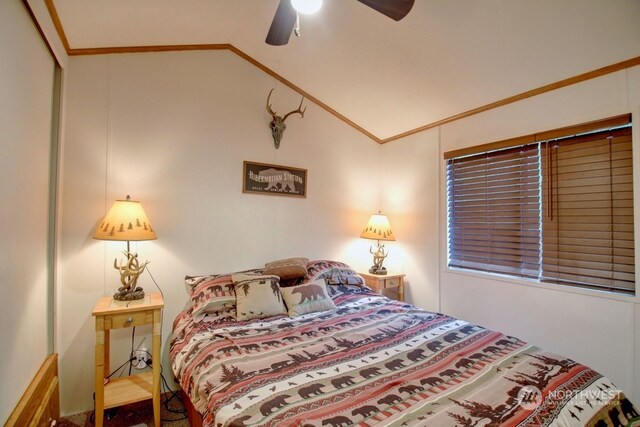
(340, 277)
(308, 298)
(212, 295)
(316, 268)
(257, 296)
(334, 272)
(206, 280)
(287, 269)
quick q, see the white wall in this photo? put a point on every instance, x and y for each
(26, 89)
(172, 130)
(594, 328)
(409, 190)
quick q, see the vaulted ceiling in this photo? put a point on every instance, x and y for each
(446, 57)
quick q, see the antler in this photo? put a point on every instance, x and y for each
(274, 114)
(269, 109)
(298, 110)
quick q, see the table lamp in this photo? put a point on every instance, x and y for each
(378, 228)
(127, 220)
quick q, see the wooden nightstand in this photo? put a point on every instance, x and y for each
(385, 283)
(112, 314)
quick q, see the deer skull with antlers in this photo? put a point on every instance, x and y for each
(277, 123)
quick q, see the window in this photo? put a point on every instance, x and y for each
(494, 211)
(555, 206)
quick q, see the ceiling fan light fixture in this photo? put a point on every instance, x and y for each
(306, 6)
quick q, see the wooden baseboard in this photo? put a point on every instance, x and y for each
(39, 406)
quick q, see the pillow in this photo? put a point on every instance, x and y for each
(308, 298)
(317, 267)
(339, 277)
(343, 276)
(193, 282)
(257, 296)
(334, 272)
(212, 295)
(199, 285)
(286, 269)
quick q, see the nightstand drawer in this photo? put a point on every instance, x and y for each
(127, 320)
(391, 283)
(383, 284)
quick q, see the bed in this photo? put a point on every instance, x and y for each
(372, 361)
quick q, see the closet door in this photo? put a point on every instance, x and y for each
(27, 71)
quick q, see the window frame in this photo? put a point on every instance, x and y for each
(609, 124)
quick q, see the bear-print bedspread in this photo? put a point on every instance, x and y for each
(376, 361)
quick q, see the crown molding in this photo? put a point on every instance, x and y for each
(524, 95)
(191, 47)
(173, 48)
(32, 15)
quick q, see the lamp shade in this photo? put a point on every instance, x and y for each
(126, 220)
(378, 228)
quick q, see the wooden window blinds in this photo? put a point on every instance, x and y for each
(558, 210)
(494, 211)
(587, 227)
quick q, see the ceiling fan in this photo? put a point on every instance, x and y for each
(286, 17)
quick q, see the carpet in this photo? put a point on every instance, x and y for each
(138, 414)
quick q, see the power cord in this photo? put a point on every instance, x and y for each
(133, 335)
(181, 409)
(149, 363)
(164, 384)
(154, 281)
(110, 412)
(165, 389)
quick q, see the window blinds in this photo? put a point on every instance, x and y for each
(558, 210)
(587, 228)
(494, 211)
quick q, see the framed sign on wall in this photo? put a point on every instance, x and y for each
(264, 178)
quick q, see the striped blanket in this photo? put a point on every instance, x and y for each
(376, 361)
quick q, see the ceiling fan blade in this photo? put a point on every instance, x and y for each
(394, 9)
(282, 24)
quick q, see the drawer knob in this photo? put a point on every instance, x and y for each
(129, 320)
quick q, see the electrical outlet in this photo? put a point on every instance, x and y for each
(140, 358)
